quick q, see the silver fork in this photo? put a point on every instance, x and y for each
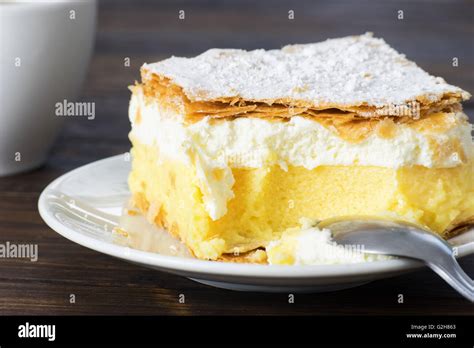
(399, 238)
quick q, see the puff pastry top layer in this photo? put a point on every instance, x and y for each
(360, 75)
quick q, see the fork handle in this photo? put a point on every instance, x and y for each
(448, 268)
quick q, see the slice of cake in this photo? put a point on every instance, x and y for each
(233, 147)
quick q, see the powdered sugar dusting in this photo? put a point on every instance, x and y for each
(350, 71)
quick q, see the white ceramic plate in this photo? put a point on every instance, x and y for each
(103, 185)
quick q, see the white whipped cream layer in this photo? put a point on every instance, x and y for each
(254, 142)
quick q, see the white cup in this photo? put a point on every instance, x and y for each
(45, 48)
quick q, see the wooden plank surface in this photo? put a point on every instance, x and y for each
(431, 33)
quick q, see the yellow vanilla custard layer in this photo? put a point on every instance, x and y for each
(269, 199)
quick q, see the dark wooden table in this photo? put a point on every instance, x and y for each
(431, 33)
